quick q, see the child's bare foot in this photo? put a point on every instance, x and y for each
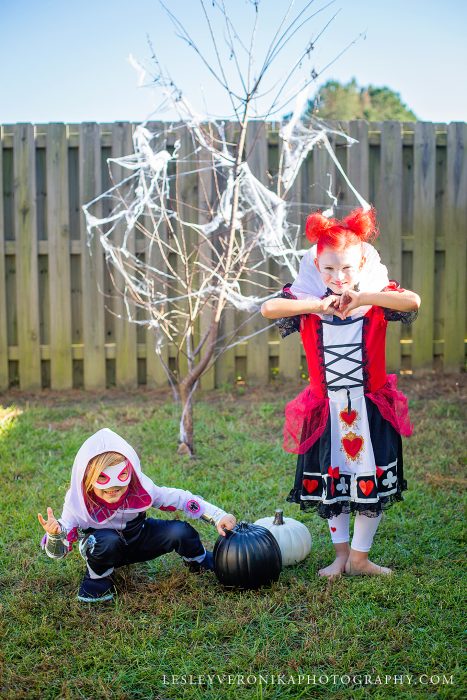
(336, 568)
(338, 565)
(360, 566)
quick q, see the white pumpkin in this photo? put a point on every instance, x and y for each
(293, 538)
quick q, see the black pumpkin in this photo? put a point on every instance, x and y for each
(247, 557)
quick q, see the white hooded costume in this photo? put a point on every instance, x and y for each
(76, 514)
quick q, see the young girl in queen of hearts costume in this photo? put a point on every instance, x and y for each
(346, 426)
(105, 508)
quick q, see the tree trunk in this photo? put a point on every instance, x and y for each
(187, 389)
(186, 444)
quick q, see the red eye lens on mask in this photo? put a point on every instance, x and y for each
(123, 474)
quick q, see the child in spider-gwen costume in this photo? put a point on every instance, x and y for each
(346, 426)
(105, 509)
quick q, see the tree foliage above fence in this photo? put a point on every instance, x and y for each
(58, 330)
(335, 100)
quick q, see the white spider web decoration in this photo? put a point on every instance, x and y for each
(217, 258)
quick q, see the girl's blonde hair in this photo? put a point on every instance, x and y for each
(97, 464)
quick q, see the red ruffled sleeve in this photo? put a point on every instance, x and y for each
(392, 314)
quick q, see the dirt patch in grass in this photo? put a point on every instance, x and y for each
(427, 386)
(442, 480)
(60, 399)
(434, 386)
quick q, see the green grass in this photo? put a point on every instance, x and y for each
(166, 621)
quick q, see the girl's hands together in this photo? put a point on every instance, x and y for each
(227, 522)
(51, 525)
(343, 304)
(331, 305)
(349, 301)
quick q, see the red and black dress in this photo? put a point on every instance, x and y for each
(346, 426)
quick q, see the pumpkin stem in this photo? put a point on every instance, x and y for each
(278, 517)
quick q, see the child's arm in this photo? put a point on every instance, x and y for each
(402, 301)
(397, 299)
(281, 308)
(166, 498)
(56, 546)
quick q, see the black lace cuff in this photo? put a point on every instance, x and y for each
(392, 314)
(403, 316)
(288, 324)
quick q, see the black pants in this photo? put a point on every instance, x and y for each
(142, 539)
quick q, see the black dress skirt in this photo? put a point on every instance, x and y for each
(387, 448)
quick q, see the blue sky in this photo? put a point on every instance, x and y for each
(68, 60)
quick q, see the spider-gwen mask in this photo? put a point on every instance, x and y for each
(118, 475)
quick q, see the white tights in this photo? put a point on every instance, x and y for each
(363, 532)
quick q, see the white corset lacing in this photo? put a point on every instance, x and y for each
(342, 346)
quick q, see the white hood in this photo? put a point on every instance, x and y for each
(75, 512)
(373, 277)
(308, 283)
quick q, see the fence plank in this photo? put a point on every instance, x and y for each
(389, 207)
(92, 264)
(341, 190)
(257, 348)
(27, 283)
(206, 200)
(225, 365)
(324, 176)
(156, 375)
(290, 348)
(126, 363)
(3, 297)
(58, 233)
(358, 158)
(455, 242)
(423, 226)
(187, 207)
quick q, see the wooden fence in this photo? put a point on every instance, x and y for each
(55, 329)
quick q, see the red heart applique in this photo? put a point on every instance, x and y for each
(379, 472)
(333, 529)
(334, 472)
(310, 484)
(348, 417)
(352, 444)
(366, 487)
